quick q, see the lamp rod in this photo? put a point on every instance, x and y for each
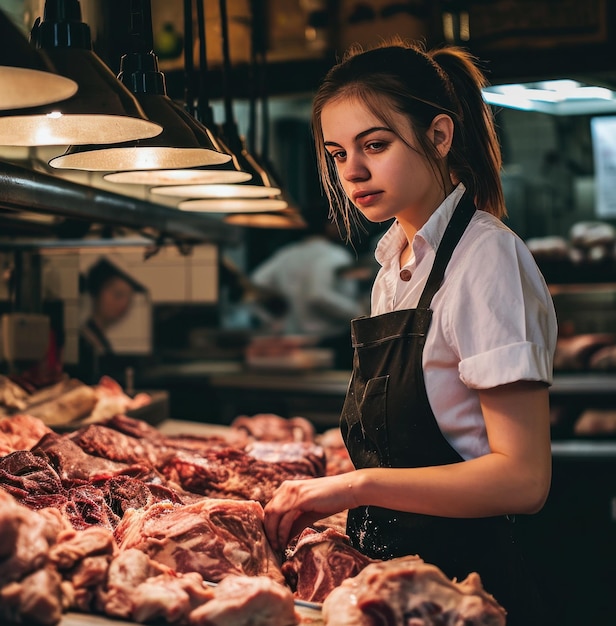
(226, 63)
(189, 62)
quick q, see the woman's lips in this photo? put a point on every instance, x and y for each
(366, 198)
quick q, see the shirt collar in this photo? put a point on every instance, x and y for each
(430, 233)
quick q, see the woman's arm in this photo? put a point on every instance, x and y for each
(513, 478)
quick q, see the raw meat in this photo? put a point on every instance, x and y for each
(71, 462)
(140, 589)
(212, 537)
(576, 352)
(222, 471)
(336, 454)
(409, 592)
(596, 422)
(111, 400)
(295, 456)
(20, 432)
(27, 476)
(82, 558)
(36, 599)
(247, 600)
(111, 444)
(12, 396)
(319, 562)
(25, 538)
(270, 427)
(71, 405)
(30, 590)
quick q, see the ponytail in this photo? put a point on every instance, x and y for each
(475, 156)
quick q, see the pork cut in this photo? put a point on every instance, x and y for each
(20, 432)
(30, 587)
(409, 592)
(247, 600)
(35, 599)
(319, 562)
(214, 537)
(143, 590)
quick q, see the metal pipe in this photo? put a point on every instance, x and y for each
(30, 190)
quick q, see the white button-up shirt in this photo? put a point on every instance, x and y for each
(493, 318)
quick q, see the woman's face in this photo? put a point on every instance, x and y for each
(114, 300)
(382, 175)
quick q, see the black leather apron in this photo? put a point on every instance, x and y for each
(387, 421)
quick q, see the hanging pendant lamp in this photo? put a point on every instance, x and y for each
(289, 217)
(285, 219)
(233, 205)
(183, 143)
(260, 193)
(28, 79)
(102, 110)
(187, 173)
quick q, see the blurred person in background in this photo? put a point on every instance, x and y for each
(111, 291)
(310, 274)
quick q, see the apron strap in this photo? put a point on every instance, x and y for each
(452, 235)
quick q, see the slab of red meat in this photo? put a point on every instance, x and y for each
(20, 432)
(32, 480)
(319, 562)
(71, 462)
(212, 537)
(132, 427)
(225, 472)
(298, 457)
(241, 600)
(270, 427)
(111, 444)
(26, 475)
(409, 591)
(125, 492)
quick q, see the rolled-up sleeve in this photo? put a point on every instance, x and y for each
(505, 327)
(524, 361)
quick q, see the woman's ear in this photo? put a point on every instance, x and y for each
(441, 133)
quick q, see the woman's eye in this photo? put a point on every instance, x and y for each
(338, 156)
(375, 146)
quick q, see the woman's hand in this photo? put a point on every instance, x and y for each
(298, 503)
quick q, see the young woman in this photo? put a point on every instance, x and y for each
(446, 417)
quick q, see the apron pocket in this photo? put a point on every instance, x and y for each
(373, 419)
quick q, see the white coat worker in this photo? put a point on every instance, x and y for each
(309, 273)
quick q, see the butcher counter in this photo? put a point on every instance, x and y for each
(575, 531)
(570, 543)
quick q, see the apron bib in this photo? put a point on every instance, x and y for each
(387, 421)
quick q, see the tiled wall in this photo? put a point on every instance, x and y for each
(167, 277)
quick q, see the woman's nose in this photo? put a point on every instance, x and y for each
(355, 168)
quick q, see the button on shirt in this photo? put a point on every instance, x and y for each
(493, 318)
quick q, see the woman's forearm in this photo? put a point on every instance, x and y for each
(486, 486)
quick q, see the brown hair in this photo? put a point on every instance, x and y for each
(419, 85)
